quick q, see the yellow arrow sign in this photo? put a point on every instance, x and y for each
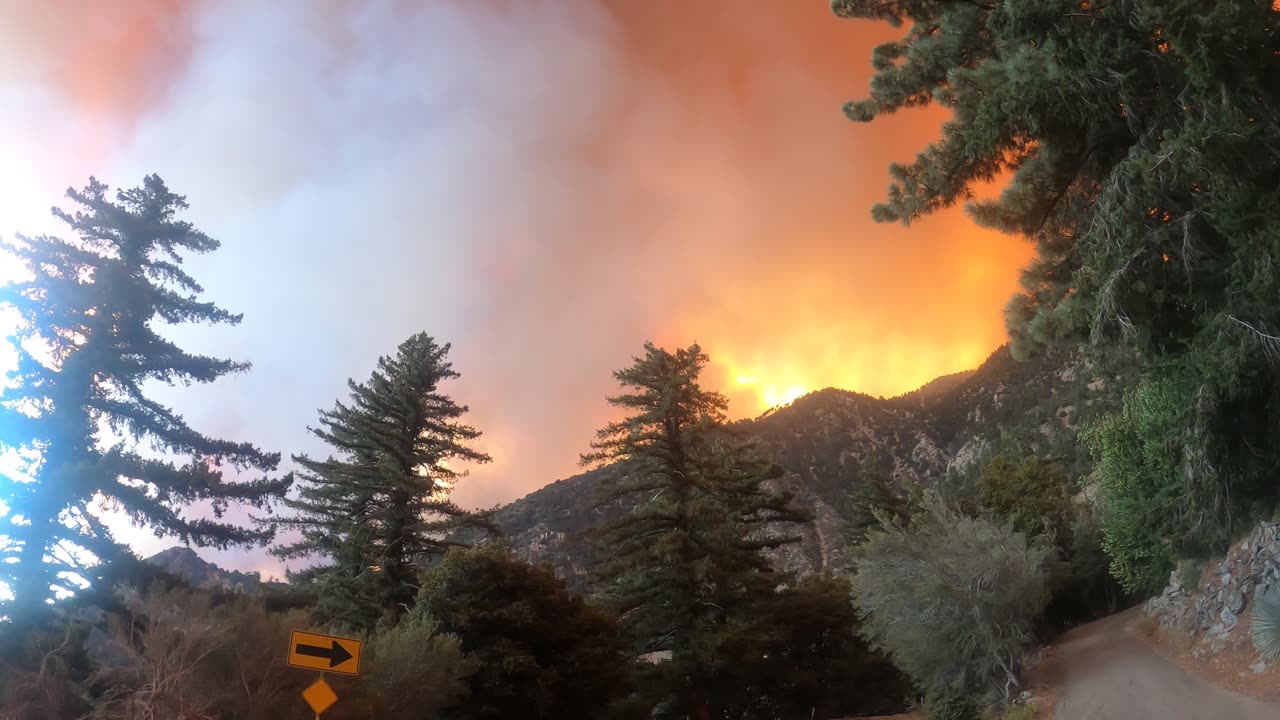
(319, 696)
(324, 652)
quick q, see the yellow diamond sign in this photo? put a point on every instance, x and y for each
(319, 696)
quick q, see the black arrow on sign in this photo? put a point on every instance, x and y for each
(336, 655)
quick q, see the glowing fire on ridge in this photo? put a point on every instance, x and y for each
(883, 315)
(770, 382)
(771, 395)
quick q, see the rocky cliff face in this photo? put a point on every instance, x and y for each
(1213, 613)
(941, 430)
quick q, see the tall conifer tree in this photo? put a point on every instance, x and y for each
(380, 506)
(1140, 140)
(88, 344)
(874, 492)
(685, 568)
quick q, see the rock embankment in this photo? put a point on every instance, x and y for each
(1212, 613)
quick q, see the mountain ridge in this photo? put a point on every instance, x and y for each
(186, 564)
(944, 428)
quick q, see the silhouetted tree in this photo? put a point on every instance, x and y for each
(381, 507)
(685, 568)
(874, 492)
(92, 309)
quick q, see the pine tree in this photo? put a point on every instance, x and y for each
(381, 506)
(1142, 138)
(1141, 142)
(685, 568)
(874, 493)
(87, 347)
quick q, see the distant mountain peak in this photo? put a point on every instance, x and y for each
(177, 553)
(185, 563)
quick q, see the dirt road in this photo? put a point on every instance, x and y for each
(1101, 672)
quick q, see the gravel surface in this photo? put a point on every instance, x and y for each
(1101, 672)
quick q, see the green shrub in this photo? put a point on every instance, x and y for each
(803, 657)
(954, 600)
(1265, 627)
(1189, 571)
(540, 651)
(1030, 493)
(1181, 469)
(412, 671)
(950, 706)
(1023, 711)
(1141, 498)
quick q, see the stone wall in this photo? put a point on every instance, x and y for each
(1212, 614)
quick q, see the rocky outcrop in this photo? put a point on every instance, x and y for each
(1213, 613)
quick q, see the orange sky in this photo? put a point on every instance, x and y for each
(545, 185)
(821, 296)
(727, 202)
